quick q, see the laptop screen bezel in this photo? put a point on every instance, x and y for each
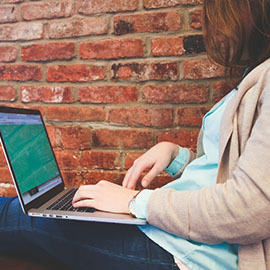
(36, 203)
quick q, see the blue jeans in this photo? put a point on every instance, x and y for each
(79, 244)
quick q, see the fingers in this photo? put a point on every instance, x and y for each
(84, 203)
(154, 172)
(83, 193)
(131, 177)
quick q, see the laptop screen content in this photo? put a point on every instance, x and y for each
(30, 154)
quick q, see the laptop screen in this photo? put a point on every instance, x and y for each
(30, 154)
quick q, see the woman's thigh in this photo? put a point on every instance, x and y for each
(79, 244)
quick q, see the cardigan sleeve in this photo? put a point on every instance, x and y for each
(236, 211)
(177, 166)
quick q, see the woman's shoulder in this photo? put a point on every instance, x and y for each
(257, 78)
(260, 71)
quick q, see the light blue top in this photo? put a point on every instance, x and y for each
(200, 173)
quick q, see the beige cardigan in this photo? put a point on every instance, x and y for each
(237, 208)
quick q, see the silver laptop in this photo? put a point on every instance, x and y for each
(35, 172)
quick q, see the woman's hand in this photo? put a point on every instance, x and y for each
(105, 196)
(155, 160)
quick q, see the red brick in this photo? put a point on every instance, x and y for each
(73, 178)
(93, 176)
(220, 90)
(2, 158)
(169, 3)
(160, 181)
(185, 138)
(130, 158)
(5, 175)
(8, 53)
(202, 69)
(145, 71)
(7, 190)
(75, 137)
(175, 93)
(108, 94)
(67, 113)
(101, 6)
(52, 133)
(10, 1)
(20, 73)
(48, 52)
(75, 73)
(134, 139)
(191, 116)
(78, 27)
(67, 159)
(100, 160)
(8, 14)
(49, 94)
(48, 10)
(196, 19)
(152, 117)
(147, 22)
(7, 93)
(21, 31)
(167, 46)
(110, 49)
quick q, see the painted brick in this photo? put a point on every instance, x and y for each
(93, 176)
(147, 22)
(73, 178)
(49, 94)
(169, 3)
(191, 116)
(75, 73)
(75, 137)
(168, 46)
(47, 10)
(77, 27)
(67, 159)
(108, 94)
(153, 117)
(8, 53)
(185, 138)
(20, 73)
(202, 69)
(101, 6)
(134, 139)
(48, 52)
(194, 44)
(8, 14)
(175, 93)
(144, 71)
(100, 160)
(21, 31)
(7, 93)
(67, 113)
(196, 19)
(110, 49)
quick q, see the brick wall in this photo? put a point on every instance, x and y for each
(111, 77)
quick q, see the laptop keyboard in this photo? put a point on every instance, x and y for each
(65, 204)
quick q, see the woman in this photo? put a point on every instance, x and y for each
(216, 215)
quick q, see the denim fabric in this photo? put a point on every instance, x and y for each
(79, 244)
